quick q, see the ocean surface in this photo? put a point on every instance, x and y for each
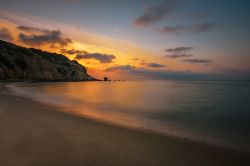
(216, 112)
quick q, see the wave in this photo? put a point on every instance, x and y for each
(90, 110)
(37, 96)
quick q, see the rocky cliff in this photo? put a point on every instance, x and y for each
(19, 63)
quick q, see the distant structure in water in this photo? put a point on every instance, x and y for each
(106, 79)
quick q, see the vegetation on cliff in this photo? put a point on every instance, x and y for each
(19, 63)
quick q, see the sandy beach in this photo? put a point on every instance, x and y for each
(33, 134)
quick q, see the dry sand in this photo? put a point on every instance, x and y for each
(32, 134)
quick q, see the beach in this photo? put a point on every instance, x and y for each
(36, 134)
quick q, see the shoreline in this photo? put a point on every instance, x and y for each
(36, 134)
(76, 111)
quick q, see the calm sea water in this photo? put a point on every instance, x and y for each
(212, 111)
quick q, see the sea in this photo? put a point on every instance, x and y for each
(213, 112)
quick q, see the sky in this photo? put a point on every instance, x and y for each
(137, 39)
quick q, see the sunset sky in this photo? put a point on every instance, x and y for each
(137, 39)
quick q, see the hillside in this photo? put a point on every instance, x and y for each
(19, 63)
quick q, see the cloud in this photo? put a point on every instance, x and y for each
(198, 61)
(179, 49)
(172, 29)
(165, 74)
(178, 29)
(243, 23)
(73, 51)
(153, 65)
(143, 73)
(5, 34)
(154, 13)
(135, 59)
(156, 74)
(35, 36)
(178, 52)
(31, 29)
(228, 70)
(177, 55)
(102, 58)
(196, 28)
(120, 68)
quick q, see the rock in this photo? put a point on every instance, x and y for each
(19, 63)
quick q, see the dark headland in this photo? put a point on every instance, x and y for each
(19, 63)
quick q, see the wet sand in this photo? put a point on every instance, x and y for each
(33, 134)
